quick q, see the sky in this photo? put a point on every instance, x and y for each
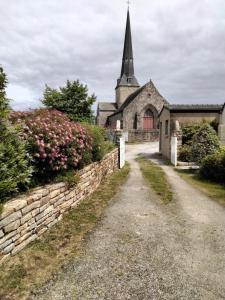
(179, 44)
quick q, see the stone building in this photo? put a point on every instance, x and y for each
(144, 114)
(173, 117)
(136, 109)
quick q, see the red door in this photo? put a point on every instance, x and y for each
(148, 120)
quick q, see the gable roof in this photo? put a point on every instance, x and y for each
(107, 106)
(134, 95)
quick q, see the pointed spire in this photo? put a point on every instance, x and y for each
(127, 71)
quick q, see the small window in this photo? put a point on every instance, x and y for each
(135, 122)
(167, 127)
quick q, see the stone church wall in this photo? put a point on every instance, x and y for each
(27, 217)
(143, 135)
(148, 98)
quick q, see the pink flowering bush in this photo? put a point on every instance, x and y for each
(55, 143)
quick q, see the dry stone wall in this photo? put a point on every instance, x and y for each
(26, 217)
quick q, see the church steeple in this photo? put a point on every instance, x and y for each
(127, 77)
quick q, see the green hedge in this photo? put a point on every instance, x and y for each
(213, 167)
(101, 145)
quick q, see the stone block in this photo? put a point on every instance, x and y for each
(45, 200)
(23, 238)
(1, 233)
(30, 207)
(11, 218)
(5, 244)
(16, 237)
(44, 207)
(35, 212)
(24, 244)
(26, 218)
(44, 213)
(12, 226)
(9, 248)
(54, 193)
(56, 186)
(56, 199)
(13, 206)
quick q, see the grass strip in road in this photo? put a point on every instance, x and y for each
(156, 178)
(213, 190)
(39, 261)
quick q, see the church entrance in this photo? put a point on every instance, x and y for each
(148, 122)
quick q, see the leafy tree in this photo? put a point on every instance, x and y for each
(72, 99)
(14, 166)
(205, 142)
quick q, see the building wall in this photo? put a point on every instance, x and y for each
(27, 217)
(195, 117)
(143, 135)
(184, 118)
(122, 92)
(165, 138)
(113, 119)
(149, 97)
(102, 117)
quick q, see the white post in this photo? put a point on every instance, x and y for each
(122, 152)
(118, 125)
(174, 150)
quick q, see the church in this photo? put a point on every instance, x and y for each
(144, 114)
(136, 108)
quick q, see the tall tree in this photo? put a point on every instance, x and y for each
(72, 99)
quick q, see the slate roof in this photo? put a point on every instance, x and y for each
(107, 106)
(194, 107)
(127, 76)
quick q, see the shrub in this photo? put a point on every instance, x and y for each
(185, 153)
(205, 142)
(213, 167)
(70, 178)
(100, 145)
(188, 132)
(15, 171)
(55, 143)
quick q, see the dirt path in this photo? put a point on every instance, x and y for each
(143, 249)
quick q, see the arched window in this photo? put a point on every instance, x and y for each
(148, 122)
(135, 121)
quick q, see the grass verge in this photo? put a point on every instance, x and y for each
(38, 262)
(156, 178)
(213, 190)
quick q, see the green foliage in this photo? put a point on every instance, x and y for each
(71, 178)
(72, 99)
(185, 153)
(4, 102)
(205, 142)
(15, 172)
(188, 132)
(100, 143)
(213, 167)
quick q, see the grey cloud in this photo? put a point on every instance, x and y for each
(179, 44)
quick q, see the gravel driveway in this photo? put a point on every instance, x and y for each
(143, 249)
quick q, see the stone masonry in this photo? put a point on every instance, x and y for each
(27, 217)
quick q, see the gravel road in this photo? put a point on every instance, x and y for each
(143, 249)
